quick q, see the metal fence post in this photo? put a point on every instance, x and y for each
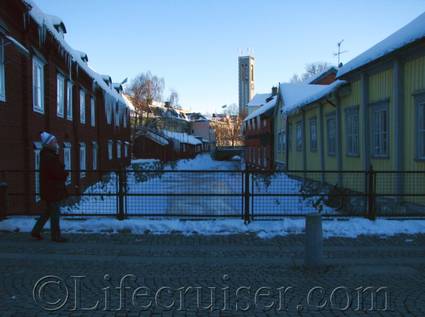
(246, 216)
(371, 201)
(121, 184)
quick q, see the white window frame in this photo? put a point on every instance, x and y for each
(67, 160)
(69, 100)
(331, 133)
(110, 150)
(352, 131)
(313, 134)
(380, 130)
(2, 71)
(83, 159)
(126, 149)
(92, 112)
(118, 149)
(299, 136)
(37, 161)
(60, 95)
(37, 87)
(82, 106)
(94, 155)
(420, 129)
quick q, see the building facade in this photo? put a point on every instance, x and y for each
(45, 85)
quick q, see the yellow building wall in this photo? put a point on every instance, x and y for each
(414, 80)
(295, 158)
(313, 157)
(330, 160)
(353, 181)
(279, 155)
(381, 88)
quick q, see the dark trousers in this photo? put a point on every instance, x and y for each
(52, 211)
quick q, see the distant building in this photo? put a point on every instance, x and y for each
(246, 81)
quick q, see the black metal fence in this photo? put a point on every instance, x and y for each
(247, 195)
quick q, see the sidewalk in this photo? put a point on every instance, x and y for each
(173, 262)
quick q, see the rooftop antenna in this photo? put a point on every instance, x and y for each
(340, 52)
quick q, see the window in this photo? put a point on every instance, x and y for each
(110, 148)
(125, 117)
(83, 158)
(67, 161)
(352, 131)
(92, 112)
(2, 72)
(69, 101)
(299, 136)
(279, 142)
(82, 107)
(60, 95)
(289, 137)
(331, 132)
(38, 84)
(94, 155)
(37, 171)
(313, 134)
(379, 128)
(126, 149)
(420, 130)
(118, 149)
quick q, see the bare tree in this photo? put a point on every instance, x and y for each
(311, 70)
(144, 89)
(228, 128)
(174, 99)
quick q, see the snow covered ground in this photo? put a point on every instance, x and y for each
(350, 228)
(184, 188)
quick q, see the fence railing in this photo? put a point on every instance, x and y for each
(246, 194)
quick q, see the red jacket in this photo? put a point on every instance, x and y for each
(52, 176)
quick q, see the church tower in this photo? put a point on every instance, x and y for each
(246, 81)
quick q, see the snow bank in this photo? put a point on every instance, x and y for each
(351, 228)
(204, 161)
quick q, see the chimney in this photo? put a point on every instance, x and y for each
(274, 91)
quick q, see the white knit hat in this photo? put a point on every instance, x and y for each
(46, 137)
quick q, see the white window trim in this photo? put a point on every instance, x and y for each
(92, 111)
(375, 151)
(331, 150)
(60, 102)
(82, 106)
(37, 62)
(94, 155)
(110, 150)
(126, 146)
(83, 164)
(119, 149)
(2, 71)
(69, 100)
(67, 148)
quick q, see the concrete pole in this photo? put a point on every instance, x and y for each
(313, 240)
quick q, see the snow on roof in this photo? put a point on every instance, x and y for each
(157, 138)
(271, 102)
(129, 103)
(182, 137)
(258, 100)
(293, 94)
(410, 33)
(316, 94)
(49, 21)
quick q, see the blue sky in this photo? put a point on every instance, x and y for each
(194, 44)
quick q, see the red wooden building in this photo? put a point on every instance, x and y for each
(45, 85)
(259, 135)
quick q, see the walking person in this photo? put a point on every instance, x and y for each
(52, 187)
